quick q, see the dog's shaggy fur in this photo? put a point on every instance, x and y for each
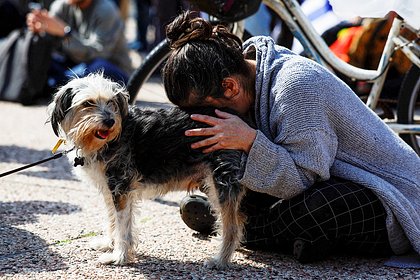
(132, 154)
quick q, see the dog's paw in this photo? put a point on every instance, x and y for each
(103, 244)
(116, 257)
(215, 263)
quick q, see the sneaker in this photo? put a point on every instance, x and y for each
(197, 214)
(305, 252)
(302, 251)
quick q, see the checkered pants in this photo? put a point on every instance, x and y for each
(332, 215)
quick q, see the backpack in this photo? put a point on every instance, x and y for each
(25, 58)
(367, 47)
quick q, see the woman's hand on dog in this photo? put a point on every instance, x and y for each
(226, 132)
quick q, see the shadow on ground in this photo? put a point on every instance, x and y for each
(158, 268)
(59, 169)
(21, 250)
(268, 265)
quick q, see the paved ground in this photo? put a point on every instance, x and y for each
(48, 218)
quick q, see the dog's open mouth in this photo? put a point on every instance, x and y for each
(102, 134)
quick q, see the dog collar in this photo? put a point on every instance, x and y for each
(77, 160)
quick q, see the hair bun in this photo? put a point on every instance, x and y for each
(187, 27)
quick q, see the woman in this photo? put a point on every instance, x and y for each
(324, 172)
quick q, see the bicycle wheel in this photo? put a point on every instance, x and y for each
(408, 109)
(145, 73)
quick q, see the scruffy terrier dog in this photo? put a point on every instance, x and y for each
(132, 154)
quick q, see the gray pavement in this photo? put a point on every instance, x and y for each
(48, 218)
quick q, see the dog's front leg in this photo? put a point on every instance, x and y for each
(123, 240)
(106, 243)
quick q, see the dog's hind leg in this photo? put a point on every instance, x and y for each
(123, 239)
(232, 225)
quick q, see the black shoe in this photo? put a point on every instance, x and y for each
(197, 214)
(302, 251)
(306, 252)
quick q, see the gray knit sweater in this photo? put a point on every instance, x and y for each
(312, 126)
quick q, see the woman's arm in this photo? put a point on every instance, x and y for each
(283, 169)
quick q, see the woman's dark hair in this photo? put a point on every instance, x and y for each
(202, 56)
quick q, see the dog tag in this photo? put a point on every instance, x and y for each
(79, 161)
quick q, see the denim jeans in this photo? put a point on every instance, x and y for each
(62, 70)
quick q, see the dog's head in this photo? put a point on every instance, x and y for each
(89, 111)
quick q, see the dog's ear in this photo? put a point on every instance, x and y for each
(121, 98)
(62, 103)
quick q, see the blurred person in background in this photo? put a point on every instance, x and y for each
(166, 11)
(143, 19)
(90, 38)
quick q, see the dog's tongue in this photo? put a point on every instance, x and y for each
(103, 133)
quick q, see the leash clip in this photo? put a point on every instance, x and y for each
(57, 145)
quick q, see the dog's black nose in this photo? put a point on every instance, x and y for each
(109, 122)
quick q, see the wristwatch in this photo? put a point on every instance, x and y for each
(67, 31)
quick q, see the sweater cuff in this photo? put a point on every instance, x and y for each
(255, 165)
(261, 168)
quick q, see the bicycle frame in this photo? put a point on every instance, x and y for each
(290, 12)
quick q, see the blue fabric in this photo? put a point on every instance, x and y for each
(61, 71)
(405, 261)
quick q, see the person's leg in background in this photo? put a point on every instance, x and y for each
(59, 72)
(166, 11)
(143, 21)
(95, 66)
(62, 71)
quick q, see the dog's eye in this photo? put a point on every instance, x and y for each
(111, 104)
(88, 104)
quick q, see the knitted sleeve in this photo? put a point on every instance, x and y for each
(285, 171)
(300, 146)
